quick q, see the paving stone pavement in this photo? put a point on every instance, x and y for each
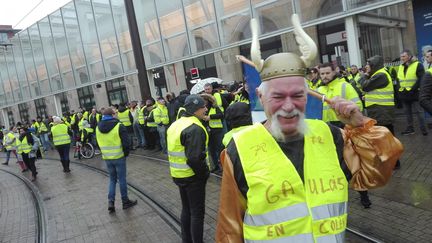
(76, 206)
(17, 212)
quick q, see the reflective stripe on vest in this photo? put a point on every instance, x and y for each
(383, 96)
(214, 123)
(124, 117)
(176, 151)
(338, 87)
(60, 134)
(408, 79)
(110, 143)
(280, 207)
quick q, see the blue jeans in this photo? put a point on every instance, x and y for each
(162, 136)
(139, 133)
(45, 141)
(8, 152)
(117, 171)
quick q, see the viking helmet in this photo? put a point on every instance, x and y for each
(284, 64)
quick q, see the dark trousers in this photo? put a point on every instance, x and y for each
(151, 136)
(215, 145)
(63, 151)
(30, 163)
(193, 208)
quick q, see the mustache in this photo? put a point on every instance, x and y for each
(283, 113)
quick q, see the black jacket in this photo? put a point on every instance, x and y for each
(193, 138)
(107, 125)
(425, 97)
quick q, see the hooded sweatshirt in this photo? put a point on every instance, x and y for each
(107, 124)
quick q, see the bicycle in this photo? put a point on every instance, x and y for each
(83, 150)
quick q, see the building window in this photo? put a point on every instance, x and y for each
(206, 66)
(11, 118)
(23, 110)
(41, 107)
(64, 103)
(116, 91)
(86, 97)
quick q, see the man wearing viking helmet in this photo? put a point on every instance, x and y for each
(286, 180)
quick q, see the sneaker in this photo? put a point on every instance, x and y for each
(129, 203)
(111, 207)
(5, 163)
(408, 131)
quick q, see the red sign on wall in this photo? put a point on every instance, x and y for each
(194, 73)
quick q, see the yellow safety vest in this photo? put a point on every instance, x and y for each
(313, 86)
(383, 96)
(24, 146)
(338, 87)
(280, 206)
(176, 151)
(228, 136)
(89, 131)
(151, 124)
(141, 119)
(110, 143)
(124, 118)
(11, 136)
(429, 70)
(218, 98)
(85, 115)
(66, 122)
(160, 115)
(407, 80)
(214, 123)
(42, 127)
(60, 134)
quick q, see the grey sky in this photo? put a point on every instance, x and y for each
(12, 12)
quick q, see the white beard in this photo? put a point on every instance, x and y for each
(275, 128)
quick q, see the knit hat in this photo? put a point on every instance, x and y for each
(57, 119)
(193, 103)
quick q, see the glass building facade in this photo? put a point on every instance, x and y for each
(82, 55)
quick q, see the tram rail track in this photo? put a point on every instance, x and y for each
(41, 225)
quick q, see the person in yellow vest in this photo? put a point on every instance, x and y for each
(331, 87)
(287, 180)
(9, 143)
(61, 136)
(355, 78)
(214, 121)
(314, 80)
(27, 148)
(113, 141)
(161, 118)
(238, 117)
(42, 132)
(188, 158)
(149, 126)
(409, 74)
(126, 117)
(379, 95)
(425, 96)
